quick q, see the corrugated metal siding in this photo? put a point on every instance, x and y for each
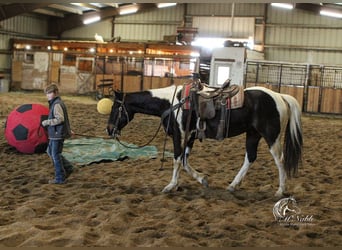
(144, 32)
(25, 26)
(323, 38)
(303, 56)
(157, 15)
(296, 16)
(103, 28)
(221, 26)
(31, 25)
(225, 9)
(149, 26)
(301, 36)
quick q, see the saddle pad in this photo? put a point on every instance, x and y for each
(237, 100)
(185, 93)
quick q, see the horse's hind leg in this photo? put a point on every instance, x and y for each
(277, 153)
(252, 142)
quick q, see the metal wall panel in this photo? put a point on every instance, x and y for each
(302, 36)
(225, 9)
(303, 56)
(300, 17)
(30, 25)
(156, 15)
(151, 25)
(103, 28)
(25, 26)
(132, 32)
(242, 27)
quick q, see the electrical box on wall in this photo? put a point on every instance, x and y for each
(227, 63)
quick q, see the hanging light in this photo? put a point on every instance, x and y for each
(128, 10)
(165, 5)
(330, 13)
(91, 20)
(288, 6)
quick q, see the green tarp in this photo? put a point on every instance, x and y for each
(91, 150)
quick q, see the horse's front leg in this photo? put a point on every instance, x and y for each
(200, 177)
(175, 175)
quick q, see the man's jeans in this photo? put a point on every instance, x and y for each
(62, 165)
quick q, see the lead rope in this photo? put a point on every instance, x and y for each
(140, 146)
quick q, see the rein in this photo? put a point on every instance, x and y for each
(139, 146)
(122, 108)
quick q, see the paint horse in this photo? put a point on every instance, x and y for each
(264, 114)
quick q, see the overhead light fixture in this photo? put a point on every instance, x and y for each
(330, 13)
(164, 5)
(128, 10)
(288, 6)
(91, 20)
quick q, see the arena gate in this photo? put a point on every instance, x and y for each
(317, 88)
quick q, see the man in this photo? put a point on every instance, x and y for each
(58, 128)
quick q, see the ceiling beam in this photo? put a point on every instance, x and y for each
(58, 25)
(15, 9)
(48, 12)
(66, 8)
(87, 5)
(309, 7)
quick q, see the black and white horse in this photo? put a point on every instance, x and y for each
(265, 114)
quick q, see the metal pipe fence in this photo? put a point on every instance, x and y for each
(318, 88)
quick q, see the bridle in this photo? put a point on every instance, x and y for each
(121, 109)
(116, 132)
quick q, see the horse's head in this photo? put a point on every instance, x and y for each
(119, 116)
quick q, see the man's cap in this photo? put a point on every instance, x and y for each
(51, 88)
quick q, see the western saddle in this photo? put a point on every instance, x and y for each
(211, 99)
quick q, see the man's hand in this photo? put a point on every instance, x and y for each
(45, 123)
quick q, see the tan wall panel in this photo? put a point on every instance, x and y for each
(295, 91)
(313, 99)
(132, 84)
(331, 101)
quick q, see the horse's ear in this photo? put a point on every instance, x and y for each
(118, 95)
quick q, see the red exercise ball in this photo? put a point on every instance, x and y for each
(23, 129)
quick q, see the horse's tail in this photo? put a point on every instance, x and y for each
(293, 141)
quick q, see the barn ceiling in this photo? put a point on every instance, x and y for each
(65, 16)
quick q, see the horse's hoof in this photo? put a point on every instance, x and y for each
(231, 189)
(279, 194)
(205, 181)
(166, 190)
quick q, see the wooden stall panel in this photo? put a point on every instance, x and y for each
(27, 74)
(295, 91)
(331, 101)
(132, 84)
(147, 84)
(54, 71)
(85, 83)
(180, 81)
(313, 99)
(17, 68)
(68, 79)
(155, 83)
(165, 82)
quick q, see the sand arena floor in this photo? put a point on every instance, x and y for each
(121, 204)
